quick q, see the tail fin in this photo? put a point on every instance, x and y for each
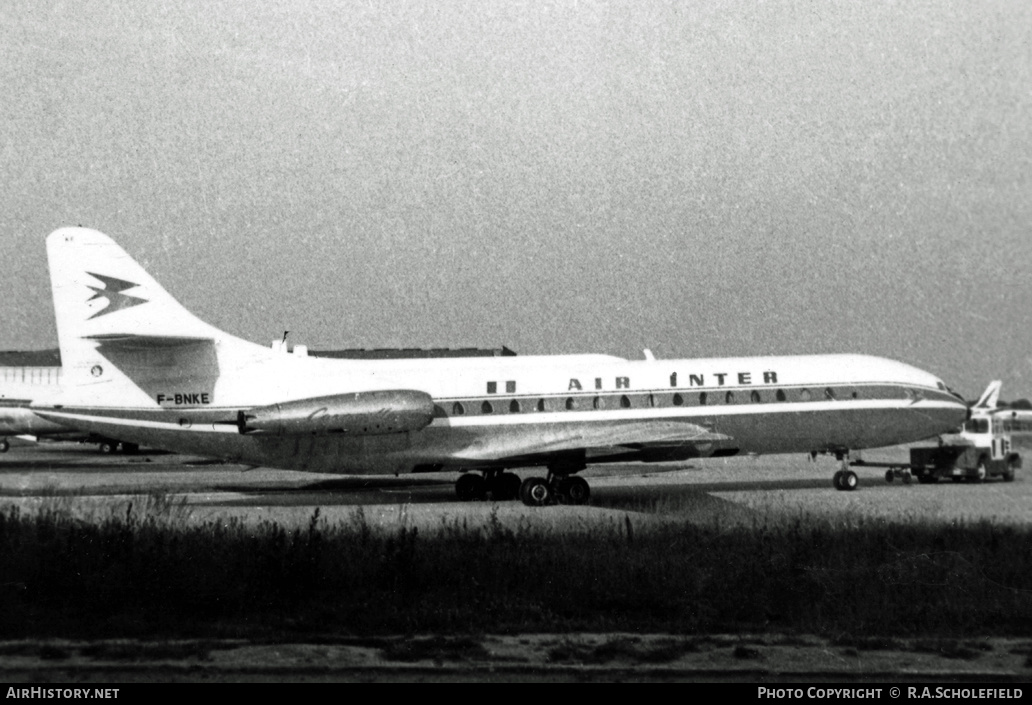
(990, 396)
(108, 309)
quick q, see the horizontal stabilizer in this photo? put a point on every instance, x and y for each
(129, 341)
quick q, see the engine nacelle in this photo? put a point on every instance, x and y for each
(357, 414)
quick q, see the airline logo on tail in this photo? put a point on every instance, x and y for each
(112, 291)
(990, 397)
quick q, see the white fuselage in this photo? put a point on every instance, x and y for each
(501, 411)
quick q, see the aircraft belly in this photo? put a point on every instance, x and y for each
(774, 431)
(514, 444)
(791, 432)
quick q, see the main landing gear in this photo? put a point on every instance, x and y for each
(845, 479)
(501, 486)
(555, 489)
(497, 485)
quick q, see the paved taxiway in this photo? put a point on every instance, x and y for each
(78, 478)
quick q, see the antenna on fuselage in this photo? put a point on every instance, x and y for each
(281, 344)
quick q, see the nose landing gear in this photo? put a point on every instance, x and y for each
(845, 479)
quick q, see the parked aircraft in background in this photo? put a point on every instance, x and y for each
(1011, 422)
(18, 421)
(139, 366)
(19, 385)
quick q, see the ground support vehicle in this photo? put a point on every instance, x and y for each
(979, 450)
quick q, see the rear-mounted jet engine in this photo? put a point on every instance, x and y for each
(359, 414)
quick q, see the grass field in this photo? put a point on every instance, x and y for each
(145, 569)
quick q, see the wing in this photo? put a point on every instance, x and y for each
(640, 437)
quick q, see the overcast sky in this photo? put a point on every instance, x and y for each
(699, 178)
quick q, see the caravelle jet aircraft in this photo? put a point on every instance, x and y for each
(140, 367)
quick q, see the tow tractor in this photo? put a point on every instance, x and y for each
(980, 449)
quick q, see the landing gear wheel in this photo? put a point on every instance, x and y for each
(890, 475)
(907, 477)
(575, 490)
(470, 487)
(505, 487)
(107, 448)
(535, 492)
(130, 448)
(845, 480)
(4, 446)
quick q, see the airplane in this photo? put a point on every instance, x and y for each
(19, 421)
(990, 398)
(139, 366)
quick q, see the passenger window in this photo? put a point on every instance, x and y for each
(651, 400)
(804, 394)
(596, 403)
(702, 398)
(457, 409)
(571, 404)
(625, 403)
(780, 395)
(541, 405)
(729, 398)
(486, 408)
(829, 393)
(755, 397)
(678, 400)
(514, 407)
